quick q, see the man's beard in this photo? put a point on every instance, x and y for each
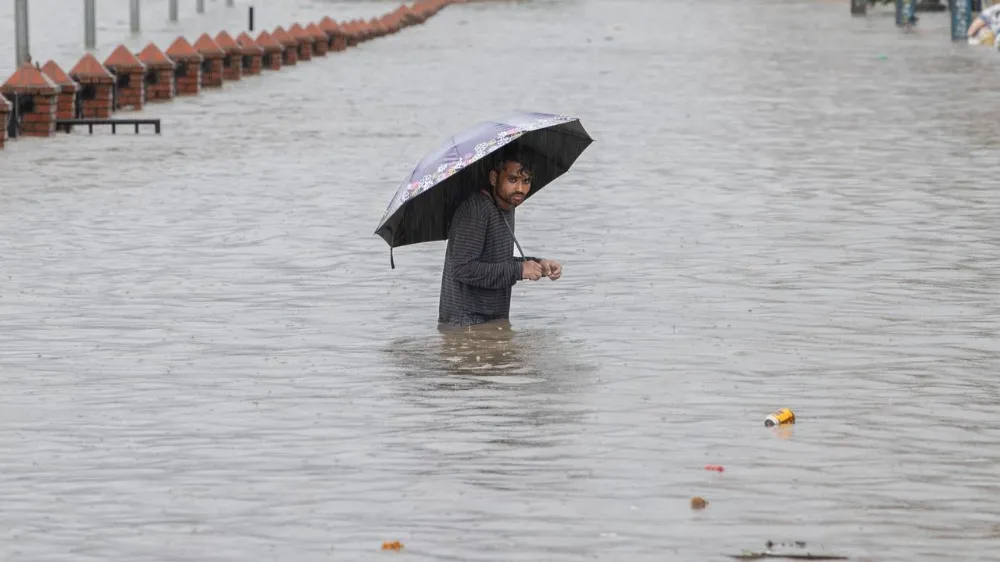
(509, 200)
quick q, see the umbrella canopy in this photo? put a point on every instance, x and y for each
(423, 206)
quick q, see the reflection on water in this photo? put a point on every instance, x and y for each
(494, 352)
(493, 349)
(489, 406)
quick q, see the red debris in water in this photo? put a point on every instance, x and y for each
(714, 467)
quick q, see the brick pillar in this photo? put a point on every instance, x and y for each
(159, 83)
(33, 96)
(66, 102)
(4, 120)
(290, 56)
(336, 39)
(187, 70)
(40, 120)
(187, 76)
(95, 98)
(130, 83)
(96, 88)
(305, 50)
(321, 43)
(129, 77)
(232, 62)
(232, 65)
(274, 59)
(253, 64)
(253, 54)
(211, 71)
(305, 42)
(158, 77)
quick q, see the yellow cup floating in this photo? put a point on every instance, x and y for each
(781, 417)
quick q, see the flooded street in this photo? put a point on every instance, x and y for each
(206, 356)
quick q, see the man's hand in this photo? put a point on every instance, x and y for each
(531, 270)
(551, 269)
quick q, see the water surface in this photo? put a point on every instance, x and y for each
(206, 356)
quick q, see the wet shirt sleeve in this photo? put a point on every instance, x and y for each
(469, 232)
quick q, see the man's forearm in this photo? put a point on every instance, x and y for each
(489, 275)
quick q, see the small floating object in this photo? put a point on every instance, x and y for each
(769, 553)
(780, 417)
(394, 545)
(747, 555)
(715, 467)
(698, 502)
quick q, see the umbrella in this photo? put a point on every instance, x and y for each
(423, 206)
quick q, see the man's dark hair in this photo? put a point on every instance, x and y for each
(516, 152)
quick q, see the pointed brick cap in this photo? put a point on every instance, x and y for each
(250, 47)
(208, 47)
(299, 33)
(284, 37)
(56, 74)
(153, 57)
(122, 59)
(4, 105)
(329, 26)
(316, 32)
(226, 42)
(407, 13)
(90, 70)
(268, 43)
(180, 49)
(29, 80)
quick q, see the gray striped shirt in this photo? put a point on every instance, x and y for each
(479, 266)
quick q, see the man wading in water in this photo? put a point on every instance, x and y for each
(479, 267)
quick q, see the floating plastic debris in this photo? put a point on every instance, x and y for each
(780, 417)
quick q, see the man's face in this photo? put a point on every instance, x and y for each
(512, 184)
